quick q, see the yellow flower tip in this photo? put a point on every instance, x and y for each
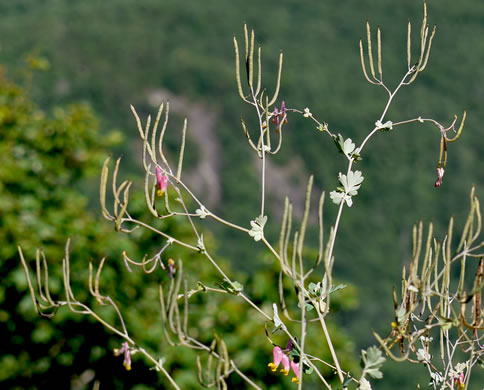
(273, 367)
(394, 324)
(172, 262)
(159, 192)
(116, 352)
(285, 372)
(295, 380)
(127, 366)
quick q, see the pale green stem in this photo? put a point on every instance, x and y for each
(263, 151)
(303, 322)
(309, 362)
(350, 163)
(221, 220)
(331, 349)
(274, 252)
(173, 240)
(229, 224)
(160, 368)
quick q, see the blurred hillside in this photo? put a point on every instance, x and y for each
(121, 52)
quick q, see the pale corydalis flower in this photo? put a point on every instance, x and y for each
(440, 175)
(295, 369)
(459, 381)
(127, 355)
(171, 267)
(161, 181)
(458, 375)
(279, 117)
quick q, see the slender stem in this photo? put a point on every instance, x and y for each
(336, 225)
(174, 240)
(274, 252)
(331, 349)
(308, 362)
(350, 163)
(264, 314)
(243, 376)
(263, 151)
(159, 367)
(303, 322)
(221, 220)
(229, 224)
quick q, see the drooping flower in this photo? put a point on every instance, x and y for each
(440, 175)
(458, 375)
(295, 369)
(161, 181)
(275, 117)
(283, 107)
(279, 357)
(127, 355)
(279, 117)
(459, 381)
(171, 267)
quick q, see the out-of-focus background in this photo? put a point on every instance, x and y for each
(69, 71)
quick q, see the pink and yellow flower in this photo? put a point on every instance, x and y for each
(127, 355)
(281, 357)
(161, 181)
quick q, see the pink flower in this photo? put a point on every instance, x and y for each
(127, 355)
(459, 381)
(279, 114)
(295, 369)
(161, 181)
(279, 357)
(440, 175)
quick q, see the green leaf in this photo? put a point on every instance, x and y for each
(315, 289)
(309, 306)
(338, 287)
(257, 225)
(352, 182)
(348, 147)
(233, 288)
(372, 359)
(307, 369)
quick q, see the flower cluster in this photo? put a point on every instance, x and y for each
(281, 356)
